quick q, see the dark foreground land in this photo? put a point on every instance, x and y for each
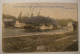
(42, 43)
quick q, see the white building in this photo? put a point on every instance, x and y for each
(19, 25)
(70, 26)
(5, 20)
(43, 27)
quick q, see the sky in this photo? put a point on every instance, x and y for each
(53, 10)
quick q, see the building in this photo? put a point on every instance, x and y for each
(43, 27)
(19, 25)
(8, 22)
(70, 26)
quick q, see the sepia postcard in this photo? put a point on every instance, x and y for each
(39, 27)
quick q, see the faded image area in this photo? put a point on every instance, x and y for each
(39, 27)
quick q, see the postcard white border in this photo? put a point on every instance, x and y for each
(25, 1)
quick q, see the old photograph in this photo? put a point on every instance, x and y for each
(39, 27)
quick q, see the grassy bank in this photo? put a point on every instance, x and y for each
(56, 42)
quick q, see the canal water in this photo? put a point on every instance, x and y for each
(17, 32)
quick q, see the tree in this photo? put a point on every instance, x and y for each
(37, 21)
